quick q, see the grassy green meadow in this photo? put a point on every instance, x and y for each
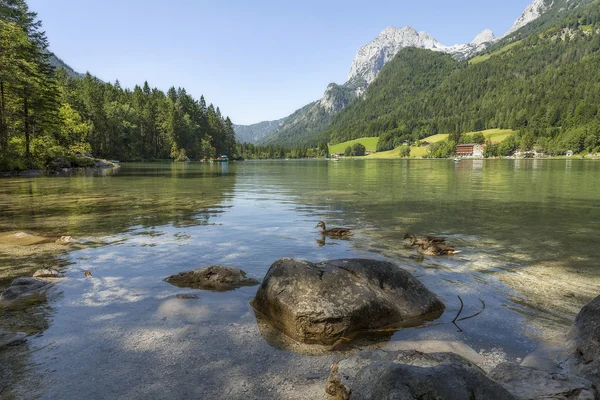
(370, 144)
(495, 135)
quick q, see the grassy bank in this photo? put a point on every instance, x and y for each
(370, 144)
(494, 135)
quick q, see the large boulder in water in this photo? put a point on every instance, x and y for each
(584, 338)
(322, 303)
(584, 342)
(215, 278)
(409, 374)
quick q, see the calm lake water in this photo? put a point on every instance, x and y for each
(528, 231)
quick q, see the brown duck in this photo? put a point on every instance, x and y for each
(334, 232)
(425, 240)
(436, 250)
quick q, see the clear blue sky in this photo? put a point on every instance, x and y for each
(257, 60)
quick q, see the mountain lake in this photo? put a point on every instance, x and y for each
(527, 231)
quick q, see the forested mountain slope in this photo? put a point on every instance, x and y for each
(304, 127)
(547, 84)
(256, 132)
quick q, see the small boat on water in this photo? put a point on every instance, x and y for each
(457, 159)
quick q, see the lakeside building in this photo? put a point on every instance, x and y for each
(470, 150)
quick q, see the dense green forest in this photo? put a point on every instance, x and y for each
(304, 125)
(250, 151)
(546, 86)
(44, 114)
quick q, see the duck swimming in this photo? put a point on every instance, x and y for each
(436, 250)
(426, 240)
(334, 232)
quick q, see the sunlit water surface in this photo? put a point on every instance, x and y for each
(528, 231)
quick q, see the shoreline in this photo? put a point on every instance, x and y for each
(100, 165)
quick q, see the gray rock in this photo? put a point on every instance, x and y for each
(59, 163)
(187, 297)
(323, 303)
(22, 239)
(11, 339)
(530, 383)
(64, 240)
(22, 287)
(343, 374)
(584, 342)
(380, 374)
(548, 356)
(440, 346)
(215, 278)
(47, 273)
(584, 337)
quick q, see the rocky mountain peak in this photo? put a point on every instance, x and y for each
(485, 36)
(371, 57)
(531, 13)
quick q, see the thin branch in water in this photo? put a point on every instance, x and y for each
(474, 315)
(431, 325)
(462, 305)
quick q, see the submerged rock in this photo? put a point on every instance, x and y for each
(187, 297)
(23, 287)
(47, 273)
(441, 346)
(11, 339)
(380, 374)
(323, 303)
(64, 240)
(104, 164)
(530, 383)
(22, 239)
(584, 342)
(215, 278)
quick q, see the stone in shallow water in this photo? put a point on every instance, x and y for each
(22, 239)
(531, 383)
(215, 278)
(584, 338)
(47, 273)
(323, 303)
(409, 374)
(584, 342)
(23, 287)
(64, 240)
(187, 297)
(11, 338)
(440, 346)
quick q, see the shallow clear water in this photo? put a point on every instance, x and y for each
(528, 231)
